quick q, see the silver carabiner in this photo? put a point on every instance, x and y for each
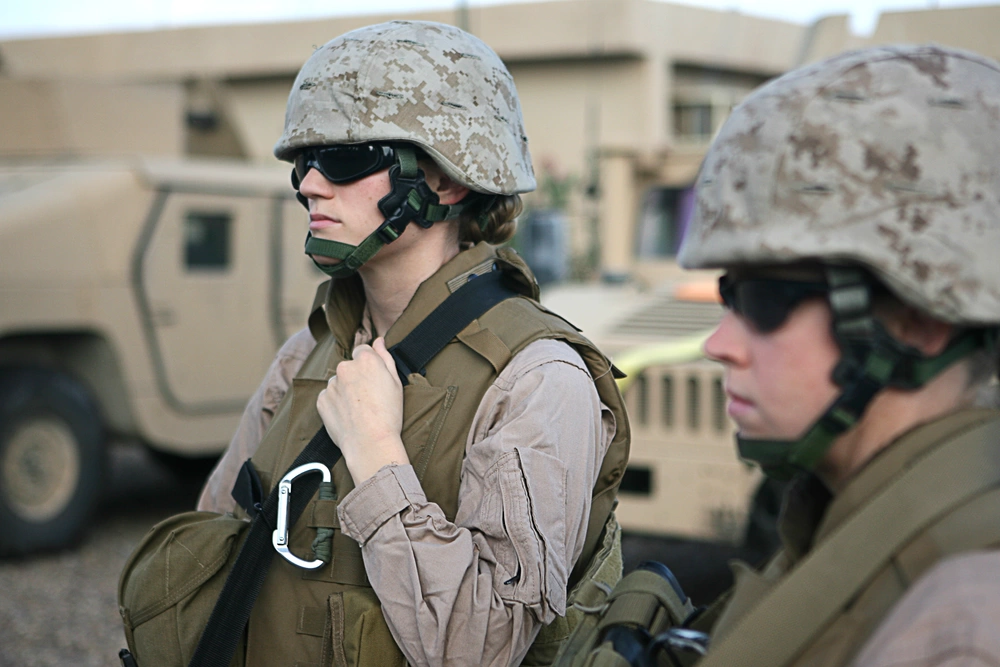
(280, 536)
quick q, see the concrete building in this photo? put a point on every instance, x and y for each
(621, 98)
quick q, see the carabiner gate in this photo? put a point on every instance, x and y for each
(280, 536)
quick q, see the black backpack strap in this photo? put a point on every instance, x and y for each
(248, 491)
(232, 610)
(455, 313)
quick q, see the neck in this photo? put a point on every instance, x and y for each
(392, 277)
(892, 413)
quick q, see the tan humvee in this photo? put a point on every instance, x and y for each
(143, 299)
(684, 478)
(140, 299)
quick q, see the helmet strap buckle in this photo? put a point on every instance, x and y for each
(407, 201)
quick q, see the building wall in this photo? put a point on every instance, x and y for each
(973, 28)
(46, 117)
(601, 83)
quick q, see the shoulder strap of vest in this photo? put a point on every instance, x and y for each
(820, 587)
(455, 313)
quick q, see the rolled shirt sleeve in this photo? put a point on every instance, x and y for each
(477, 590)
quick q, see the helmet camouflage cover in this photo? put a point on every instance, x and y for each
(415, 81)
(888, 157)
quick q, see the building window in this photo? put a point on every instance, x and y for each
(702, 96)
(207, 240)
(637, 480)
(693, 121)
(663, 220)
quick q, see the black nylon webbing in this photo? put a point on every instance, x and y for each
(232, 610)
(453, 314)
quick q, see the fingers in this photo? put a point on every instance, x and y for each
(379, 348)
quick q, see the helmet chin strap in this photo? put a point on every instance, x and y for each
(410, 199)
(870, 361)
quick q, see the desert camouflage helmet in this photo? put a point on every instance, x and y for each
(888, 157)
(415, 81)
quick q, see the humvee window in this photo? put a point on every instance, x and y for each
(206, 240)
(637, 480)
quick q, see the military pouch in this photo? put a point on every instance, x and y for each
(604, 570)
(187, 590)
(170, 583)
(637, 623)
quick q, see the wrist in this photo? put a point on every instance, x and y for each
(373, 456)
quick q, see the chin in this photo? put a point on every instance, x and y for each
(758, 433)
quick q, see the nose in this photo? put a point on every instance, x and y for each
(315, 185)
(727, 344)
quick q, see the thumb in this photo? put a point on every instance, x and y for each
(379, 346)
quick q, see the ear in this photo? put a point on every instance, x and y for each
(918, 329)
(448, 191)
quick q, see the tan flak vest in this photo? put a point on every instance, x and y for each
(331, 616)
(933, 493)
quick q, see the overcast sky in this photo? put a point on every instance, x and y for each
(27, 18)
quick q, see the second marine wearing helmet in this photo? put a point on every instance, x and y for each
(853, 206)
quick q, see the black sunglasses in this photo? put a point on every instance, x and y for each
(343, 163)
(766, 302)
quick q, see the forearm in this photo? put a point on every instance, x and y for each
(476, 590)
(444, 595)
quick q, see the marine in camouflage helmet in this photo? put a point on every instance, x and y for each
(412, 84)
(882, 166)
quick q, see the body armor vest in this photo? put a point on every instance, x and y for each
(932, 494)
(331, 615)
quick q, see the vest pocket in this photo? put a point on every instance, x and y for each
(358, 632)
(424, 410)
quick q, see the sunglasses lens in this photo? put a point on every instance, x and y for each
(766, 304)
(343, 164)
(766, 308)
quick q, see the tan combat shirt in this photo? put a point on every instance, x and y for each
(949, 617)
(532, 457)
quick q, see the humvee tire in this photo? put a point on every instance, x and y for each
(52, 459)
